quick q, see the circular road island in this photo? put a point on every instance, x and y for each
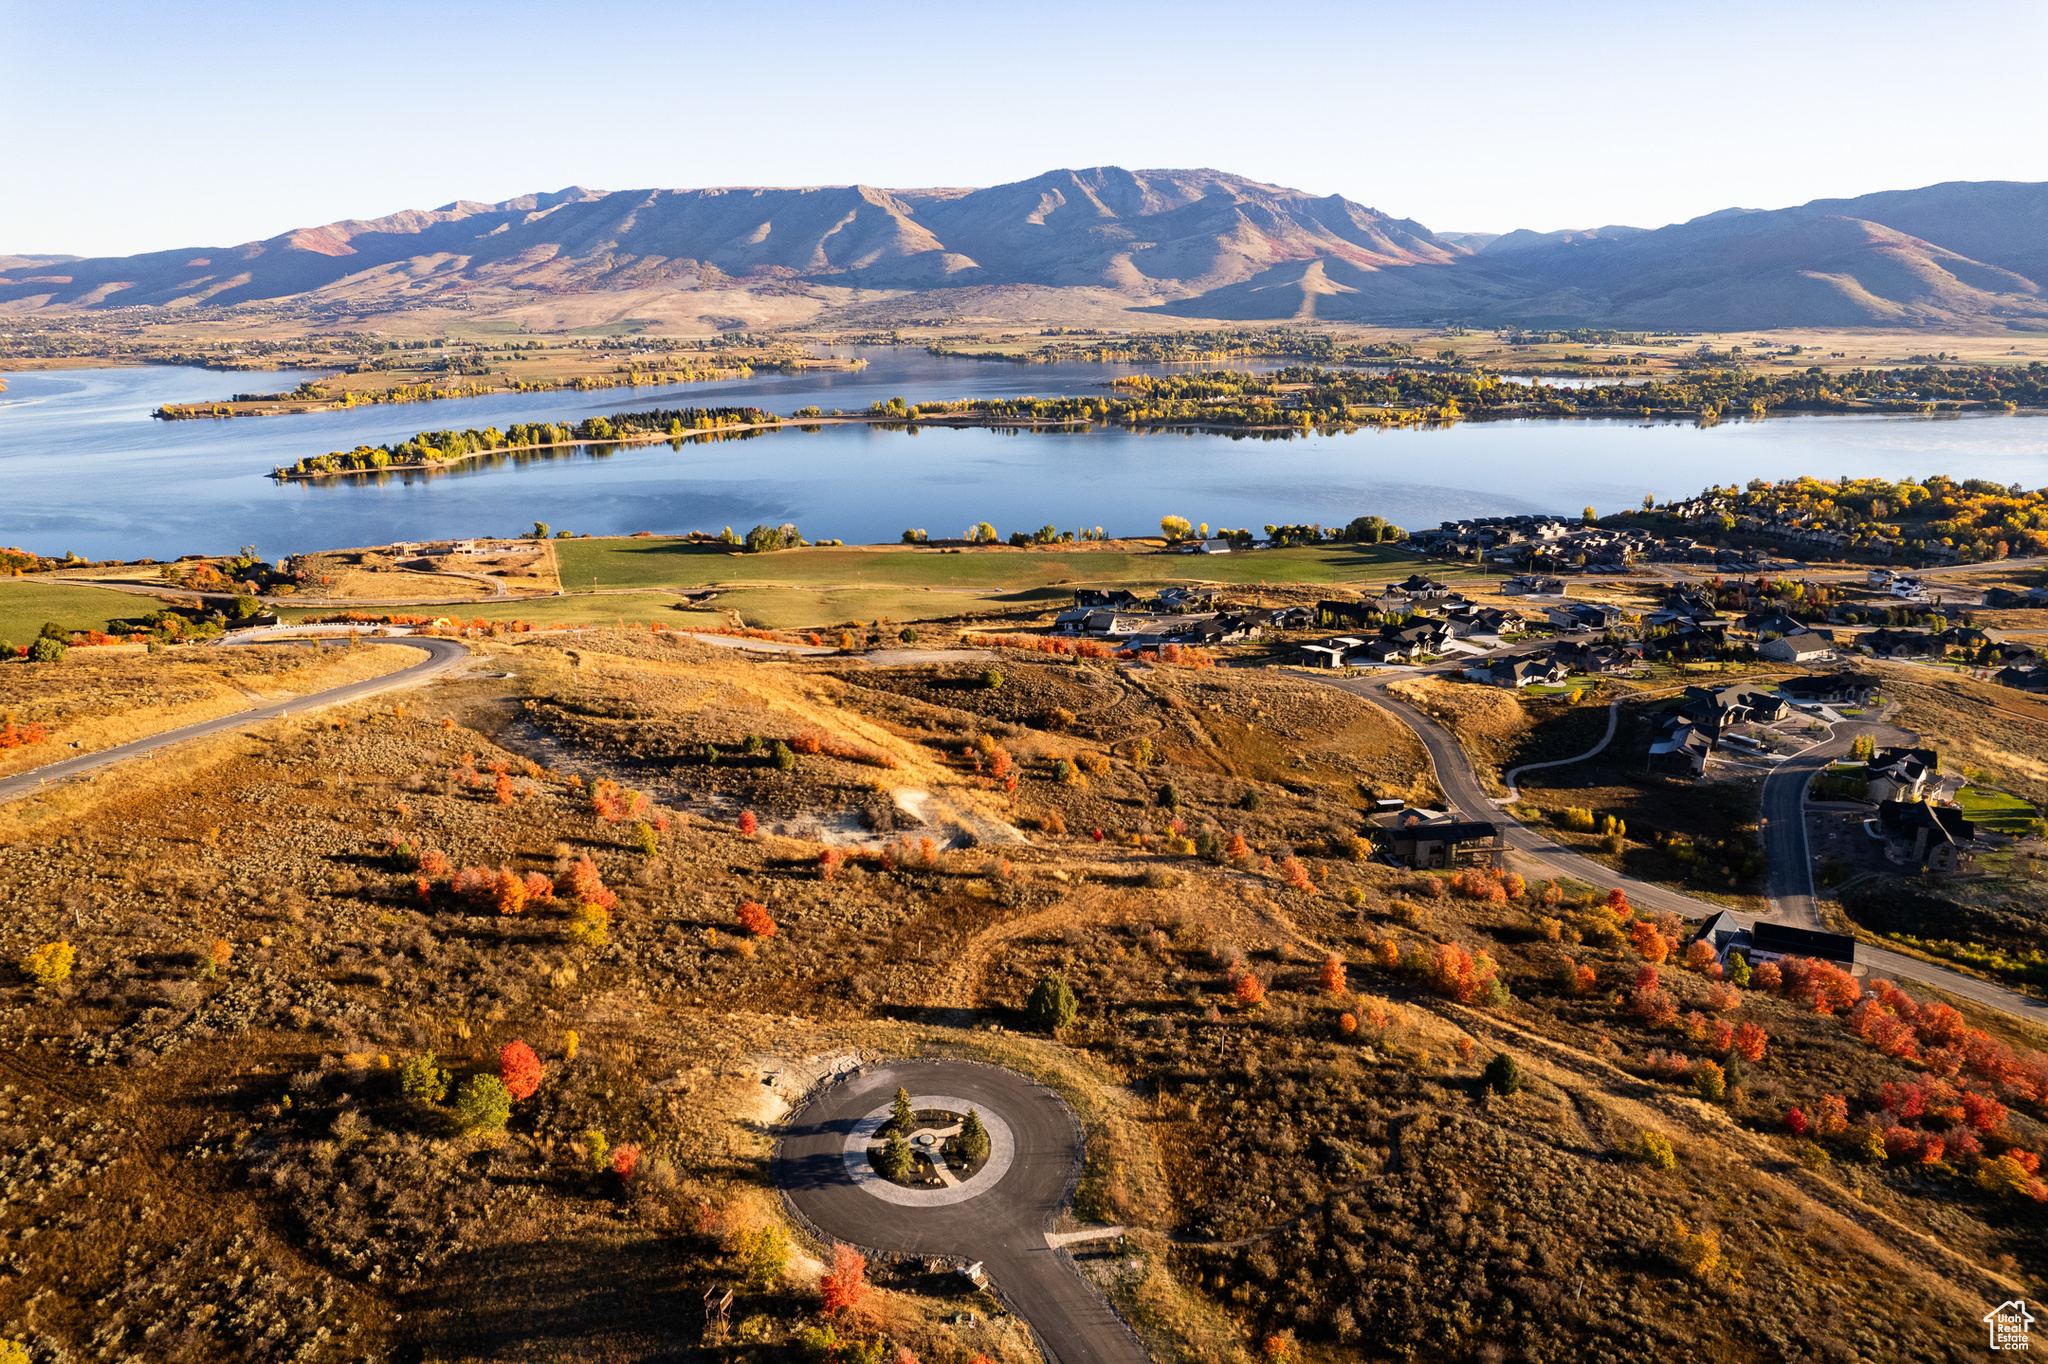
(998, 1211)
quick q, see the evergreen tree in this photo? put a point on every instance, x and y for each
(1502, 1075)
(901, 1119)
(895, 1159)
(973, 1136)
(1052, 1005)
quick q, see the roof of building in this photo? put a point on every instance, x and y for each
(1786, 940)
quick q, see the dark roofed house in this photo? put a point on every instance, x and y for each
(1719, 709)
(1682, 750)
(1899, 643)
(1936, 837)
(2026, 678)
(1426, 840)
(1769, 940)
(1519, 672)
(1903, 773)
(1584, 616)
(1117, 599)
(1187, 598)
(1760, 940)
(1831, 689)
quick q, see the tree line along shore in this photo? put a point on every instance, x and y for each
(1295, 398)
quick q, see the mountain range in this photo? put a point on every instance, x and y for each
(1174, 244)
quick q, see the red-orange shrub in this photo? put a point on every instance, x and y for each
(846, 1287)
(520, 1069)
(1750, 1041)
(754, 918)
(1333, 974)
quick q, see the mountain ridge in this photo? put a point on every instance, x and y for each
(1191, 243)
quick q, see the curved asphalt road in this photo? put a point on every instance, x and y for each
(1791, 874)
(442, 654)
(1005, 1229)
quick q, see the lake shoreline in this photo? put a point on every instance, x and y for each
(1420, 418)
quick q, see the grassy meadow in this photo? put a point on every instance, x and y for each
(25, 605)
(997, 569)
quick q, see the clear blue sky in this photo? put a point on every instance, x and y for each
(132, 127)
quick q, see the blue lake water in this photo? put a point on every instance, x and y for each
(83, 466)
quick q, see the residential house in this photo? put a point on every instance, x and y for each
(1218, 629)
(1282, 617)
(1467, 620)
(1719, 709)
(1187, 598)
(1514, 673)
(1908, 589)
(1770, 942)
(1759, 940)
(2024, 677)
(1904, 773)
(1207, 547)
(1101, 621)
(1531, 585)
(1330, 653)
(1899, 643)
(1772, 622)
(1584, 616)
(1117, 599)
(1917, 834)
(2010, 654)
(1800, 646)
(2005, 599)
(1831, 689)
(1593, 658)
(1967, 638)
(1427, 840)
(1681, 749)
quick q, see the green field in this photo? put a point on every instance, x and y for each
(621, 562)
(638, 608)
(1995, 810)
(26, 604)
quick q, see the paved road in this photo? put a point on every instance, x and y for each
(1784, 846)
(1789, 863)
(442, 654)
(1005, 1229)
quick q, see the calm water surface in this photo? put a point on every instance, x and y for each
(83, 466)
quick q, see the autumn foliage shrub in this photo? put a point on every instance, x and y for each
(1249, 989)
(754, 919)
(520, 1070)
(1750, 1041)
(846, 1287)
(501, 888)
(49, 964)
(584, 884)
(1455, 973)
(810, 743)
(12, 736)
(613, 803)
(1333, 974)
(1296, 876)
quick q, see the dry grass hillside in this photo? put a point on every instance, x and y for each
(224, 1136)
